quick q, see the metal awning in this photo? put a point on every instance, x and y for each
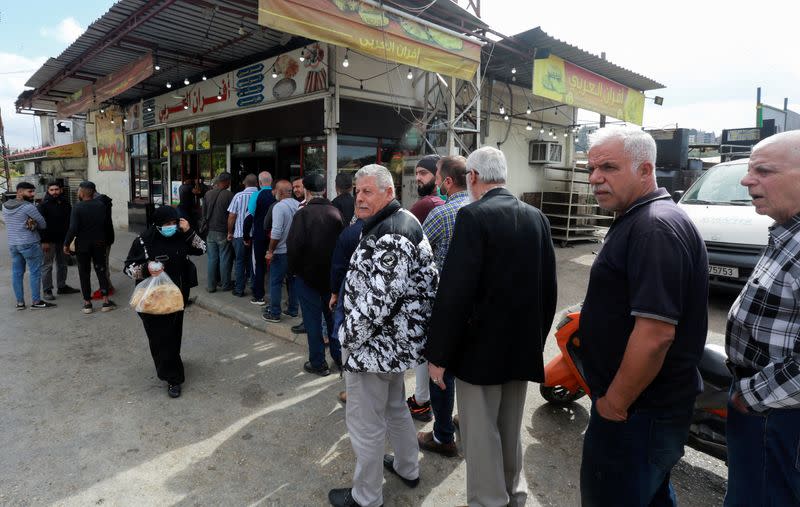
(501, 60)
(189, 38)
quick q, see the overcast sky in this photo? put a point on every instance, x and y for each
(711, 55)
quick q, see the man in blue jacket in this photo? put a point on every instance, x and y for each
(23, 222)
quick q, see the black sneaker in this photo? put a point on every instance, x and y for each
(322, 371)
(107, 307)
(21, 306)
(420, 412)
(270, 317)
(257, 301)
(299, 329)
(174, 391)
(67, 290)
(292, 315)
(87, 308)
(40, 305)
(388, 464)
(48, 295)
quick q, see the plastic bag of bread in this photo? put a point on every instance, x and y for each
(157, 295)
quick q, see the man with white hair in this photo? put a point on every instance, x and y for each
(763, 340)
(492, 314)
(257, 208)
(388, 294)
(643, 328)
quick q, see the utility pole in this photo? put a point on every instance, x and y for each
(5, 173)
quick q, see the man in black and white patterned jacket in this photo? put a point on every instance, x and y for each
(388, 297)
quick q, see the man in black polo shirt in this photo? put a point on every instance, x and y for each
(643, 328)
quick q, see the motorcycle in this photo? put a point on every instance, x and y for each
(564, 383)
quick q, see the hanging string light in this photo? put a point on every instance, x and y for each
(502, 108)
(205, 78)
(274, 72)
(541, 129)
(186, 81)
(303, 55)
(505, 117)
(409, 75)
(513, 70)
(169, 85)
(219, 93)
(529, 110)
(529, 126)
(346, 62)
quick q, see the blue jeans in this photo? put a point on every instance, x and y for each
(315, 307)
(30, 255)
(243, 265)
(442, 402)
(628, 463)
(220, 260)
(763, 458)
(278, 268)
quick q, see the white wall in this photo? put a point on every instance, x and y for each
(115, 184)
(523, 177)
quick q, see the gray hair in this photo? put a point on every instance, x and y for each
(383, 177)
(638, 144)
(489, 164)
(265, 178)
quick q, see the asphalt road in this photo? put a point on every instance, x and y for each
(86, 422)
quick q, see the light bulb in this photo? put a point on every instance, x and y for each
(124, 120)
(205, 78)
(528, 111)
(149, 109)
(565, 134)
(541, 130)
(169, 85)
(102, 111)
(529, 126)
(186, 81)
(513, 70)
(505, 117)
(157, 67)
(241, 28)
(112, 120)
(302, 56)
(274, 74)
(552, 134)
(409, 75)
(502, 108)
(185, 106)
(345, 62)
(219, 94)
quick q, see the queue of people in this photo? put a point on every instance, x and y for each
(430, 289)
(45, 235)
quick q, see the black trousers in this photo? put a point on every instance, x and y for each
(95, 255)
(164, 333)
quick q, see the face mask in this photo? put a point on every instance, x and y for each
(168, 230)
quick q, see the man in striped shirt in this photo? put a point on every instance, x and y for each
(237, 212)
(23, 222)
(763, 340)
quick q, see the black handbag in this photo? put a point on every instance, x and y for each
(190, 274)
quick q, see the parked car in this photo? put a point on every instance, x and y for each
(735, 235)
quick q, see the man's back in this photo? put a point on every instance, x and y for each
(346, 204)
(219, 199)
(88, 223)
(500, 269)
(312, 238)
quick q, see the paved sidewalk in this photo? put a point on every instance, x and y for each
(223, 303)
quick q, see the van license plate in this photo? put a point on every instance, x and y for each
(724, 271)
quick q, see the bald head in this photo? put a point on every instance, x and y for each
(283, 189)
(773, 176)
(250, 180)
(788, 141)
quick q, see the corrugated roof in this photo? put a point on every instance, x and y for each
(502, 60)
(189, 37)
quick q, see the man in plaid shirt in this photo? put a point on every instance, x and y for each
(451, 179)
(763, 340)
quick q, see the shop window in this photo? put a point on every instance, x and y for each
(352, 158)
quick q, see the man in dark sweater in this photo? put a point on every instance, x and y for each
(312, 238)
(344, 201)
(55, 208)
(88, 227)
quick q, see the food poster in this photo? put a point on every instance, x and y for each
(188, 139)
(248, 86)
(565, 82)
(177, 142)
(110, 142)
(375, 31)
(203, 137)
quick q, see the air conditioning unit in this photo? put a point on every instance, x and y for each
(545, 152)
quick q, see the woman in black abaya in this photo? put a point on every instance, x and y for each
(169, 240)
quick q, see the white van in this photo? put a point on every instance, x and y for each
(735, 235)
